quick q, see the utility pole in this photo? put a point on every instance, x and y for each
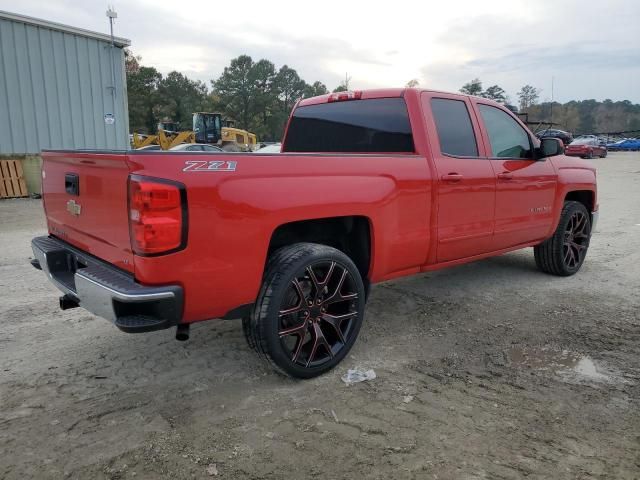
(551, 113)
(112, 15)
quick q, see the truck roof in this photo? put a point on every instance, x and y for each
(380, 93)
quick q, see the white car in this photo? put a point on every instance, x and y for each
(195, 147)
(275, 148)
(150, 147)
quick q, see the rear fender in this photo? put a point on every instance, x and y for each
(234, 211)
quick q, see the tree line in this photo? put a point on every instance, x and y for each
(256, 94)
(590, 116)
(578, 117)
(259, 97)
(527, 96)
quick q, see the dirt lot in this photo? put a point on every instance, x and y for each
(489, 370)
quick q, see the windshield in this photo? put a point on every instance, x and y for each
(207, 127)
(582, 141)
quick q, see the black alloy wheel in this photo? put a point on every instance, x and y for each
(309, 310)
(564, 253)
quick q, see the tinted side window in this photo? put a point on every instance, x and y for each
(507, 137)
(454, 128)
(358, 126)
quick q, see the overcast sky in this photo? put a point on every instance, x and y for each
(591, 48)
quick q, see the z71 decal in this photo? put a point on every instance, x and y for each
(209, 166)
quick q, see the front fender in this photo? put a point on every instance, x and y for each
(574, 175)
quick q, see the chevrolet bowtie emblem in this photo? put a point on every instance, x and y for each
(73, 208)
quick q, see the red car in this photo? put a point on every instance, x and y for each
(586, 147)
(369, 186)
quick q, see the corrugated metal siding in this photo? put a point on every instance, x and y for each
(54, 91)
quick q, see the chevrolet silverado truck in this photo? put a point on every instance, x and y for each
(370, 186)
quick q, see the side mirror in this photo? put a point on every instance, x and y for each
(550, 147)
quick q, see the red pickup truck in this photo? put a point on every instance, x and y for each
(371, 185)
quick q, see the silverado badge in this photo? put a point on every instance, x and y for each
(74, 208)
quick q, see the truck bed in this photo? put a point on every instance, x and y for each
(235, 203)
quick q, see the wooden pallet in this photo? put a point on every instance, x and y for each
(12, 182)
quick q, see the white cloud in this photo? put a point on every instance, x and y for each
(592, 49)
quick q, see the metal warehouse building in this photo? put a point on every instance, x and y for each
(60, 87)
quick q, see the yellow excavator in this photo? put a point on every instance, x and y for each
(211, 128)
(166, 137)
(208, 128)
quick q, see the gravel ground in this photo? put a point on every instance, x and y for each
(488, 370)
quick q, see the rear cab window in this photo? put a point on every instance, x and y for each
(377, 125)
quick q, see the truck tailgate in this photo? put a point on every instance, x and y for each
(85, 199)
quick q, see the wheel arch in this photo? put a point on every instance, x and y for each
(350, 234)
(578, 185)
(585, 197)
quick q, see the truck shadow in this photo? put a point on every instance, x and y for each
(217, 352)
(505, 271)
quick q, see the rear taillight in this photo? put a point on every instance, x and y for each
(344, 96)
(157, 215)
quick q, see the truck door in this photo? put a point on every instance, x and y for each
(525, 187)
(465, 180)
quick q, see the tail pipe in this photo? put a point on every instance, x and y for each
(67, 302)
(182, 332)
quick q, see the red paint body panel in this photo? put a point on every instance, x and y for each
(418, 221)
(233, 215)
(525, 196)
(102, 228)
(465, 194)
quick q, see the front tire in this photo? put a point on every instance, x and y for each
(563, 254)
(309, 310)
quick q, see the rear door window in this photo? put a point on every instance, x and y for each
(508, 139)
(379, 125)
(455, 130)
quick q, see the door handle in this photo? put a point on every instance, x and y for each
(505, 176)
(452, 177)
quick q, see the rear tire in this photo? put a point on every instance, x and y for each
(246, 329)
(309, 310)
(604, 155)
(563, 254)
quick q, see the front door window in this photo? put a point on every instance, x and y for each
(508, 139)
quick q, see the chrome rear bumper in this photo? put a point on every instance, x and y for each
(106, 291)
